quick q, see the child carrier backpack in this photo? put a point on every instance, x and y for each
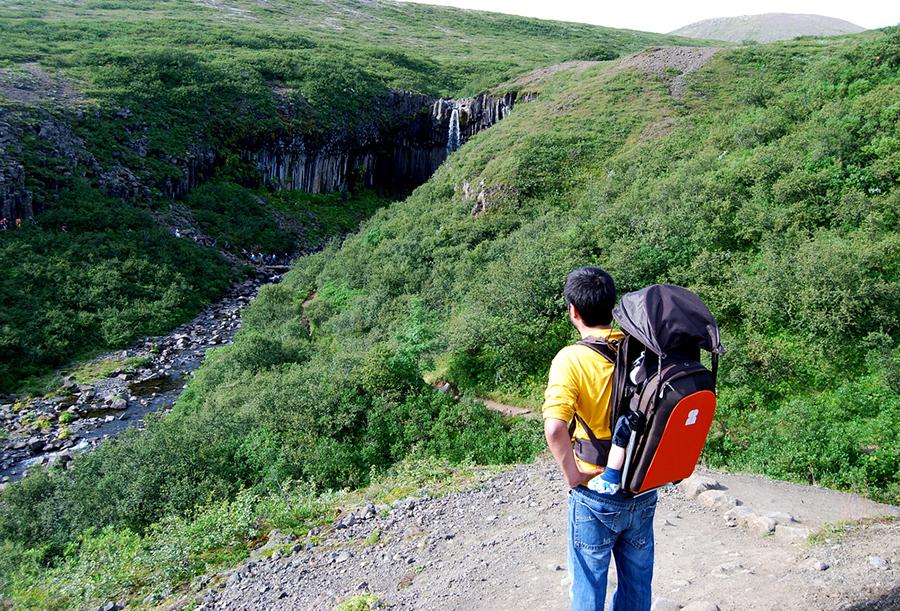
(660, 384)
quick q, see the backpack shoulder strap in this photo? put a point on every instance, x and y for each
(608, 350)
(602, 346)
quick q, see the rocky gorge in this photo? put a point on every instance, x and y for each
(413, 136)
(397, 155)
(115, 390)
(396, 146)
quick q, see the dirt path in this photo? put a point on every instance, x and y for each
(502, 546)
(510, 410)
(672, 65)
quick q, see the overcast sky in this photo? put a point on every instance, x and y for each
(665, 16)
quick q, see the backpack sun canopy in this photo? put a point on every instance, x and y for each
(665, 317)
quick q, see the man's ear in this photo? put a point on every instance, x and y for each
(573, 314)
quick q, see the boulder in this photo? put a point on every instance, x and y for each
(764, 525)
(792, 534)
(718, 500)
(739, 516)
(695, 485)
(781, 517)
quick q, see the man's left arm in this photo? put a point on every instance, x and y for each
(560, 399)
(557, 434)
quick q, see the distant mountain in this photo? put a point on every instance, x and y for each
(767, 27)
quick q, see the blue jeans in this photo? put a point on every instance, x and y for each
(599, 526)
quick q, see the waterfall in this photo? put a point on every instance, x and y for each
(405, 154)
(453, 138)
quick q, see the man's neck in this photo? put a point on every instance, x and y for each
(586, 331)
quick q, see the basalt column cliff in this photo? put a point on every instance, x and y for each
(400, 154)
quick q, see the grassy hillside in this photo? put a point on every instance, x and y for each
(767, 27)
(130, 93)
(437, 50)
(769, 187)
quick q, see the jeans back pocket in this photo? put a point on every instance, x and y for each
(594, 529)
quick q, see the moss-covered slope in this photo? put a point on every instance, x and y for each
(109, 110)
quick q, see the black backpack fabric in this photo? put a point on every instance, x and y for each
(673, 395)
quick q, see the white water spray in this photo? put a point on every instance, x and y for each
(453, 137)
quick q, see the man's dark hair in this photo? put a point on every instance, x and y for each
(593, 293)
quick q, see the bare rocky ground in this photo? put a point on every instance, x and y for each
(672, 65)
(502, 546)
(29, 83)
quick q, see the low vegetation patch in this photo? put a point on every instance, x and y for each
(360, 602)
(834, 533)
(167, 555)
(100, 369)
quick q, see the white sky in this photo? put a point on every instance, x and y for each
(665, 16)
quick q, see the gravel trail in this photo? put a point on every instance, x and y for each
(502, 546)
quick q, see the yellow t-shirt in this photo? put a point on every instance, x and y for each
(580, 379)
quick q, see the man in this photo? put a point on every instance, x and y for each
(599, 525)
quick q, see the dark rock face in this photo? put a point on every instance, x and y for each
(196, 165)
(119, 181)
(15, 199)
(478, 113)
(399, 148)
(62, 156)
(400, 154)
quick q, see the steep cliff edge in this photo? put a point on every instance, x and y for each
(408, 136)
(402, 150)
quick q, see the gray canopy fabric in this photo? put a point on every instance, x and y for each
(665, 318)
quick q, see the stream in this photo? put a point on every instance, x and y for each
(116, 390)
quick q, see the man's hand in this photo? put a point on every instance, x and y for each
(557, 434)
(580, 477)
